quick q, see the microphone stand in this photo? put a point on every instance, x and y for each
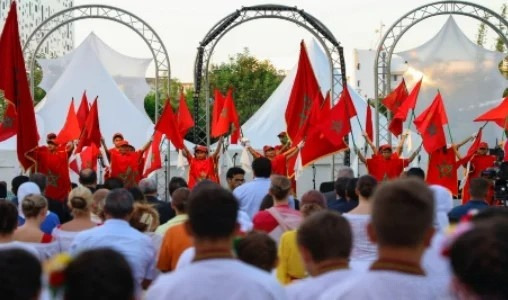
(234, 159)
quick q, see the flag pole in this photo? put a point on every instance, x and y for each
(449, 133)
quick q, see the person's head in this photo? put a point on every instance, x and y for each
(99, 274)
(117, 139)
(267, 202)
(113, 183)
(144, 217)
(283, 138)
(119, 204)
(257, 249)
(386, 151)
(16, 182)
(176, 183)
(50, 141)
(148, 186)
(3, 189)
(212, 213)
(479, 260)
(99, 200)
(402, 215)
(21, 275)
(345, 172)
(8, 218)
(483, 148)
(340, 186)
(365, 186)
(34, 207)
(137, 195)
(200, 152)
(40, 179)
(124, 147)
(180, 200)
(80, 201)
(311, 202)
(235, 177)
(88, 177)
(262, 167)
(269, 151)
(416, 173)
(280, 187)
(351, 189)
(322, 237)
(478, 188)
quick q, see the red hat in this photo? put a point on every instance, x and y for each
(385, 147)
(51, 136)
(118, 134)
(483, 145)
(201, 148)
(282, 133)
(267, 148)
(123, 143)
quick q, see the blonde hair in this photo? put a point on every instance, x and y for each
(280, 187)
(33, 204)
(80, 199)
(144, 217)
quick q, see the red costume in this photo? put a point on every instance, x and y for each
(442, 169)
(384, 169)
(200, 169)
(478, 164)
(55, 165)
(126, 167)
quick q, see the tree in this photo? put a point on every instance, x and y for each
(481, 36)
(499, 41)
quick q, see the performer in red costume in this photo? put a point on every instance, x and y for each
(480, 161)
(279, 160)
(125, 163)
(117, 141)
(375, 150)
(202, 166)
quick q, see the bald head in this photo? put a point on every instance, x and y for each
(88, 177)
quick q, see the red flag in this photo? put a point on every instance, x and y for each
(305, 88)
(472, 149)
(218, 104)
(430, 125)
(167, 124)
(19, 117)
(229, 117)
(71, 130)
(396, 97)
(83, 111)
(152, 156)
(369, 128)
(185, 121)
(91, 133)
(442, 169)
(86, 159)
(498, 114)
(400, 116)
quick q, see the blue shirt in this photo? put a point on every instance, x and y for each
(251, 194)
(459, 211)
(342, 205)
(50, 222)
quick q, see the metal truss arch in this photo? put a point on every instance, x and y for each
(382, 64)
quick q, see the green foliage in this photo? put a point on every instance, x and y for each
(500, 46)
(481, 36)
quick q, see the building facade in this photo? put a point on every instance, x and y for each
(31, 13)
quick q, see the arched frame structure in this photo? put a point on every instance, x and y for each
(402, 25)
(331, 46)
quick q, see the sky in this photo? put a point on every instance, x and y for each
(182, 24)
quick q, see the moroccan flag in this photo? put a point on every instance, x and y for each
(319, 108)
(152, 156)
(71, 130)
(400, 116)
(227, 118)
(218, 103)
(55, 165)
(498, 114)
(83, 111)
(167, 124)
(396, 97)
(442, 169)
(91, 133)
(86, 159)
(369, 128)
(185, 121)
(305, 88)
(430, 125)
(472, 149)
(19, 117)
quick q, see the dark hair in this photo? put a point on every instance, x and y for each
(137, 194)
(176, 183)
(351, 189)
(21, 275)
(402, 212)
(478, 188)
(180, 199)
(212, 212)
(113, 183)
(234, 171)
(267, 202)
(257, 249)
(311, 202)
(262, 167)
(3, 189)
(16, 182)
(490, 213)
(479, 259)
(340, 186)
(280, 186)
(119, 203)
(366, 185)
(8, 217)
(416, 173)
(87, 177)
(327, 235)
(40, 179)
(99, 274)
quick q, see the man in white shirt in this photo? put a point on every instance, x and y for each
(401, 226)
(324, 240)
(117, 234)
(214, 272)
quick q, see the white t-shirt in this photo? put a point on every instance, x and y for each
(436, 266)
(20, 245)
(312, 287)
(185, 258)
(63, 238)
(217, 279)
(363, 248)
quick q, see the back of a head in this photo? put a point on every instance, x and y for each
(20, 278)
(262, 167)
(144, 217)
(80, 199)
(99, 199)
(234, 171)
(99, 274)
(148, 186)
(113, 183)
(326, 235)
(180, 199)
(280, 186)
(267, 202)
(366, 185)
(340, 186)
(416, 173)
(478, 188)
(212, 212)
(27, 188)
(479, 259)
(87, 177)
(402, 212)
(40, 179)
(3, 190)
(32, 205)
(137, 194)
(8, 217)
(119, 203)
(311, 202)
(176, 183)
(351, 189)
(17, 181)
(345, 172)
(257, 249)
